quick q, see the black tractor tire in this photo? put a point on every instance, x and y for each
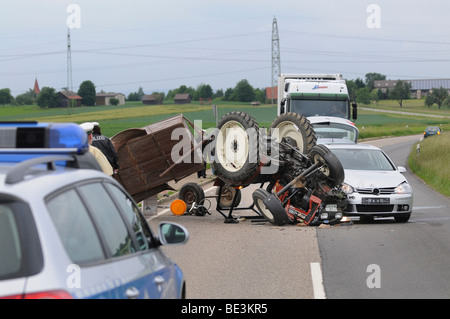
(295, 126)
(226, 198)
(191, 193)
(333, 170)
(270, 207)
(236, 157)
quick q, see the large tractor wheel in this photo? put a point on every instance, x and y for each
(332, 167)
(236, 157)
(295, 126)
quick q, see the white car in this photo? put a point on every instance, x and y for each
(373, 184)
(334, 130)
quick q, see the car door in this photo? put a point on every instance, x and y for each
(157, 276)
(141, 271)
(89, 273)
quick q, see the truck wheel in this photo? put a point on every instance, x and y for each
(236, 156)
(332, 168)
(295, 126)
(226, 198)
(270, 207)
(190, 193)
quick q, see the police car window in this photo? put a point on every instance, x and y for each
(10, 251)
(75, 228)
(112, 226)
(133, 215)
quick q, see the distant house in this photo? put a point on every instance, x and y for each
(152, 99)
(419, 88)
(104, 98)
(67, 97)
(182, 99)
(271, 93)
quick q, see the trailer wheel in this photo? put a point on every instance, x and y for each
(236, 157)
(190, 193)
(295, 126)
(270, 207)
(226, 198)
(332, 169)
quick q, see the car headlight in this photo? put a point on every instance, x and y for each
(347, 189)
(403, 188)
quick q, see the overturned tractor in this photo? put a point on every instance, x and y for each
(300, 181)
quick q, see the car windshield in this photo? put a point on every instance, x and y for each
(336, 131)
(319, 107)
(432, 129)
(361, 159)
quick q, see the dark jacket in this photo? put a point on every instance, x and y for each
(105, 145)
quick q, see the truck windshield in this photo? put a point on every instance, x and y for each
(320, 108)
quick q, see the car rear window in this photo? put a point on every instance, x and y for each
(10, 248)
(20, 249)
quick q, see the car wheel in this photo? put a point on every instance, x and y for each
(295, 126)
(270, 207)
(402, 218)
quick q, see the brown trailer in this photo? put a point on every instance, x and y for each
(145, 156)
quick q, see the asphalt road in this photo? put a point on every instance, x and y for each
(378, 260)
(389, 260)
(244, 260)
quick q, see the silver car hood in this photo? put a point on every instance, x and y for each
(373, 179)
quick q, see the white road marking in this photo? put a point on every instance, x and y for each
(316, 275)
(426, 207)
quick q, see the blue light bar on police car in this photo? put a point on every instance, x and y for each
(58, 137)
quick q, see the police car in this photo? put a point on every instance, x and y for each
(67, 230)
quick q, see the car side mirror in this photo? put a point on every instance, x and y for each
(401, 169)
(172, 234)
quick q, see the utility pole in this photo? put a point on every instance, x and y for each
(276, 68)
(69, 66)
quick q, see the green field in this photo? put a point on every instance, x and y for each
(114, 119)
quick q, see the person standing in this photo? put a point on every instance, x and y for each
(101, 159)
(105, 145)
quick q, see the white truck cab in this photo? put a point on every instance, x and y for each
(319, 95)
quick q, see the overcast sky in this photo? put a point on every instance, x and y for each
(162, 44)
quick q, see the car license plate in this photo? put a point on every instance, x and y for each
(375, 201)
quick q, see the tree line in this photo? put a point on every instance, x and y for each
(242, 92)
(365, 92)
(360, 91)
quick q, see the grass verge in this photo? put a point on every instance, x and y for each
(432, 163)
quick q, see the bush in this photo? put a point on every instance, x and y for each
(48, 98)
(113, 101)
